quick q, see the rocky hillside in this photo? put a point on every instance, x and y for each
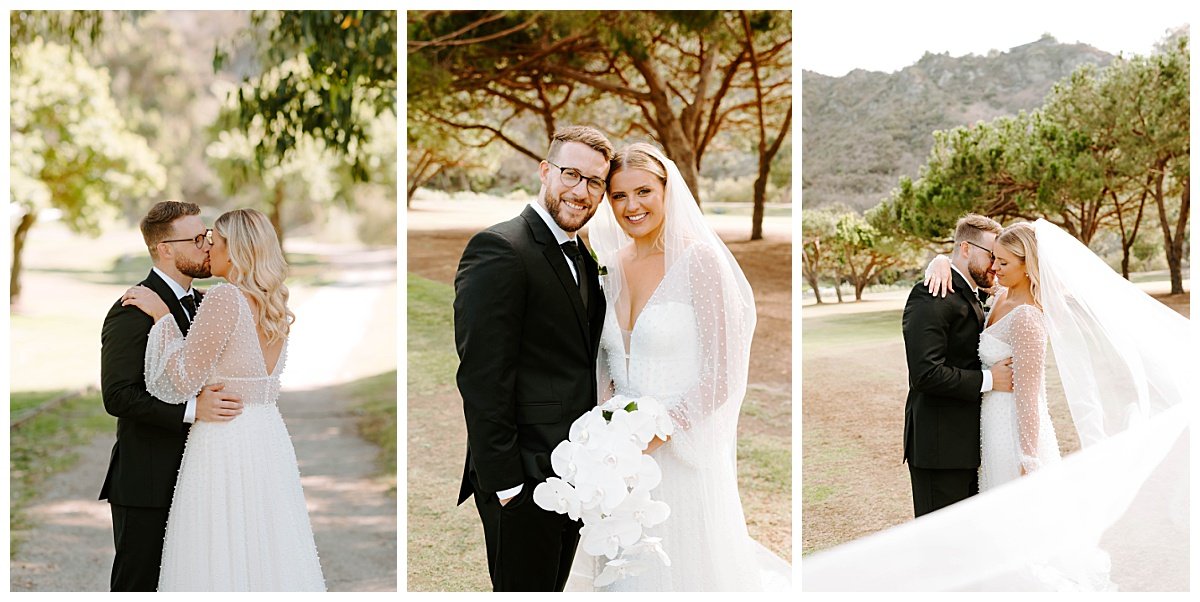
(864, 130)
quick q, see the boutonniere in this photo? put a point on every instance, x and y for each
(603, 270)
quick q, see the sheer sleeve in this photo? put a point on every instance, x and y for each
(1029, 361)
(725, 326)
(604, 378)
(177, 367)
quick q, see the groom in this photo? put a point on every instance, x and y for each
(151, 433)
(945, 379)
(528, 310)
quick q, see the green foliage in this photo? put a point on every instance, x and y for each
(72, 150)
(330, 71)
(76, 29)
(1107, 146)
(680, 78)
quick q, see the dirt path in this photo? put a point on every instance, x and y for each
(353, 514)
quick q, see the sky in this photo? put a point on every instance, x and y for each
(836, 36)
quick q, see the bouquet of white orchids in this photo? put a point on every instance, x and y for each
(605, 480)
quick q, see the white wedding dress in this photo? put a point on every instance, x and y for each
(238, 520)
(689, 348)
(1015, 431)
(1015, 428)
(672, 359)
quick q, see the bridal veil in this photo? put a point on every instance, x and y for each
(1127, 366)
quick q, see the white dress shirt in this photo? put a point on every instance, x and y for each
(189, 413)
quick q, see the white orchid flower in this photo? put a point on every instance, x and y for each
(648, 474)
(639, 508)
(618, 569)
(556, 495)
(607, 536)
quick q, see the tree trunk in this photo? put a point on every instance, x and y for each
(1172, 242)
(760, 200)
(837, 288)
(14, 279)
(277, 212)
(810, 274)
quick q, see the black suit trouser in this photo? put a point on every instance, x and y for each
(936, 488)
(528, 549)
(138, 535)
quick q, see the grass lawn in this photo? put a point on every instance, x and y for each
(376, 408)
(47, 444)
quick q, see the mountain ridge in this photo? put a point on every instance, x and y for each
(865, 129)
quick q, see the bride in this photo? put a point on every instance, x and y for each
(237, 521)
(1113, 514)
(680, 326)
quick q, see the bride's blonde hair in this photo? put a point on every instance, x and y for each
(258, 268)
(639, 155)
(1021, 240)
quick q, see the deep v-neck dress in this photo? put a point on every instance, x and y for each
(705, 535)
(238, 520)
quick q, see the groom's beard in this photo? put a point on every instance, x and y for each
(554, 208)
(193, 270)
(982, 275)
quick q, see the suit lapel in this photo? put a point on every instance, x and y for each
(963, 289)
(558, 263)
(595, 294)
(156, 284)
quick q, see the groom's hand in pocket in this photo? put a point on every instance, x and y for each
(213, 404)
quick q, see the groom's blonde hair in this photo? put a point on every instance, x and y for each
(584, 135)
(972, 226)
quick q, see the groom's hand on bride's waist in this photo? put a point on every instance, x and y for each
(213, 404)
(1002, 376)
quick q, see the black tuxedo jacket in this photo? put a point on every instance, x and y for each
(150, 432)
(941, 342)
(526, 348)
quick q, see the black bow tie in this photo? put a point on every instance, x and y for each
(189, 305)
(983, 296)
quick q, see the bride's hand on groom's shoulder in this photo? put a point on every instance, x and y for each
(146, 300)
(938, 277)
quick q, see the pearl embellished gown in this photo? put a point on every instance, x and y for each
(675, 354)
(238, 520)
(1015, 428)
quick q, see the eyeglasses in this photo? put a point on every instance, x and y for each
(198, 241)
(571, 176)
(989, 251)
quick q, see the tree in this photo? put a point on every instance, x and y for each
(1158, 134)
(326, 70)
(674, 70)
(818, 230)
(766, 150)
(72, 150)
(864, 251)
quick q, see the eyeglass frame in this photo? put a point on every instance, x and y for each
(981, 247)
(562, 178)
(200, 239)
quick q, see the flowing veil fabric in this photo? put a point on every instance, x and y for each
(692, 352)
(1126, 362)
